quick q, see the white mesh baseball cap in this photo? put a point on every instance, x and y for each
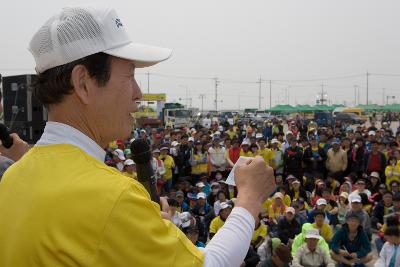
(78, 32)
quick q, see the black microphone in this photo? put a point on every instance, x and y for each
(141, 154)
(5, 137)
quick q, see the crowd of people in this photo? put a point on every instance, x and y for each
(337, 187)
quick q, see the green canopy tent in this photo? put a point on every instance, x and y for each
(323, 108)
(370, 107)
(303, 108)
(391, 107)
(282, 109)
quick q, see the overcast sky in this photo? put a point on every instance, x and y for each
(239, 41)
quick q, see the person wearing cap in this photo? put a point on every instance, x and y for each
(293, 159)
(320, 224)
(361, 185)
(118, 159)
(130, 169)
(381, 209)
(311, 254)
(296, 191)
(277, 156)
(182, 205)
(245, 149)
(336, 159)
(169, 166)
(375, 160)
(288, 226)
(85, 62)
(350, 244)
(356, 207)
(276, 209)
(392, 171)
(198, 161)
(217, 223)
(204, 213)
(374, 180)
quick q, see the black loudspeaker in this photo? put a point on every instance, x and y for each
(23, 112)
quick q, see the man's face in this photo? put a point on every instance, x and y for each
(319, 220)
(289, 216)
(312, 243)
(375, 147)
(353, 224)
(392, 239)
(109, 107)
(225, 213)
(387, 199)
(356, 206)
(396, 204)
(360, 186)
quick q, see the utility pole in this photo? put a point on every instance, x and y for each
(202, 96)
(367, 87)
(355, 95)
(216, 93)
(259, 94)
(270, 94)
(148, 82)
(383, 96)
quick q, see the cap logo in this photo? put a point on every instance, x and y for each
(118, 23)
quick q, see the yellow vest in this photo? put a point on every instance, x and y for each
(199, 168)
(260, 231)
(61, 207)
(246, 154)
(216, 224)
(267, 154)
(169, 164)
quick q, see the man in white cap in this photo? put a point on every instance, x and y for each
(119, 158)
(130, 169)
(60, 204)
(310, 254)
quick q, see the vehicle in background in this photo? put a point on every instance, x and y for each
(153, 111)
(322, 118)
(176, 116)
(350, 118)
(358, 111)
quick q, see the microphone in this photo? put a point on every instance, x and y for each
(5, 137)
(141, 154)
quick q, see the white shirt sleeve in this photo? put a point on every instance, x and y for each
(230, 244)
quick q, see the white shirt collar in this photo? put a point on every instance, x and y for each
(60, 133)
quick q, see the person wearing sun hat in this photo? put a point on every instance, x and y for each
(310, 253)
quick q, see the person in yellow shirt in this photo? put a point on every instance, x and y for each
(320, 224)
(260, 233)
(198, 160)
(169, 165)
(392, 171)
(219, 221)
(130, 169)
(245, 149)
(277, 208)
(266, 153)
(60, 204)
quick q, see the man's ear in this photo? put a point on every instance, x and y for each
(80, 80)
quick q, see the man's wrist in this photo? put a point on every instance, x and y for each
(251, 204)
